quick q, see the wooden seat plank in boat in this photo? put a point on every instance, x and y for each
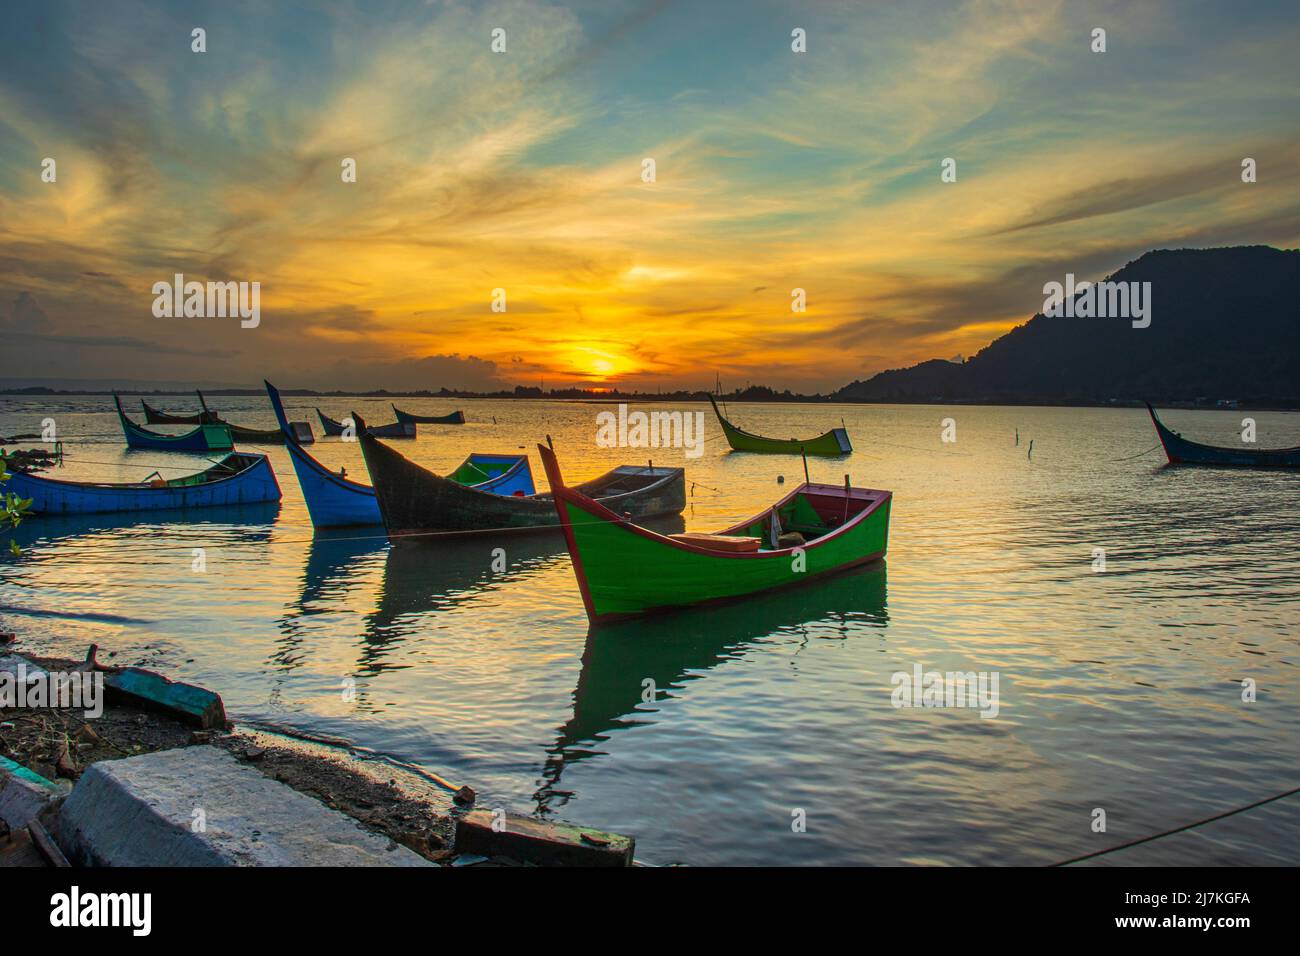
(718, 542)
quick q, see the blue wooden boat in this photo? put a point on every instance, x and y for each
(1180, 451)
(210, 437)
(238, 478)
(334, 500)
(395, 430)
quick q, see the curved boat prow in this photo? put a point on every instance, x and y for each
(277, 406)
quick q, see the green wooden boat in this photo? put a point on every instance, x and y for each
(625, 570)
(834, 442)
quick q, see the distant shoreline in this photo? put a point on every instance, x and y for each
(618, 398)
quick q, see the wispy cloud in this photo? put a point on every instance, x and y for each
(522, 171)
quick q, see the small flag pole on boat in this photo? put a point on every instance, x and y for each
(846, 500)
(806, 479)
(550, 444)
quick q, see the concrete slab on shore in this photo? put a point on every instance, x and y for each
(199, 806)
(24, 793)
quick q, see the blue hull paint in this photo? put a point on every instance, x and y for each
(255, 483)
(332, 500)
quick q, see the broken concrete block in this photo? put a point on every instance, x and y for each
(546, 844)
(199, 806)
(24, 793)
(186, 702)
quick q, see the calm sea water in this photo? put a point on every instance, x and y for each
(1119, 690)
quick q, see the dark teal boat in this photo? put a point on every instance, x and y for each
(210, 437)
(1181, 451)
(395, 430)
(453, 418)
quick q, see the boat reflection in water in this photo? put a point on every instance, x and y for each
(162, 529)
(422, 575)
(674, 648)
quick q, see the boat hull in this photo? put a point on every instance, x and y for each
(831, 444)
(212, 437)
(454, 418)
(254, 484)
(1180, 451)
(625, 572)
(394, 430)
(414, 500)
(155, 416)
(334, 501)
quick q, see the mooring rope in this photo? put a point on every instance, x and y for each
(1139, 454)
(1187, 826)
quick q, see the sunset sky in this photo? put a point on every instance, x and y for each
(522, 171)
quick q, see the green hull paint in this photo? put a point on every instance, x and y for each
(835, 442)
(629, 573)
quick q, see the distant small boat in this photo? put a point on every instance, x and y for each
(395, 430)
(334, 500)
(455, 418)
(238, 478)
(203, 438)
(414, 500)
(834, 442)
(156, 416)
(1180, 451)
(625, 570)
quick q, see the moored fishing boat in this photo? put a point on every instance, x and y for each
(1180, 451)
(624, 570)
(395, 430)
(334, 500)
(833, 442)
(156, 416)
(414, 500)
(236, 479)
(211, 437)
(454, 418)
(252, 436)
(256, 436)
